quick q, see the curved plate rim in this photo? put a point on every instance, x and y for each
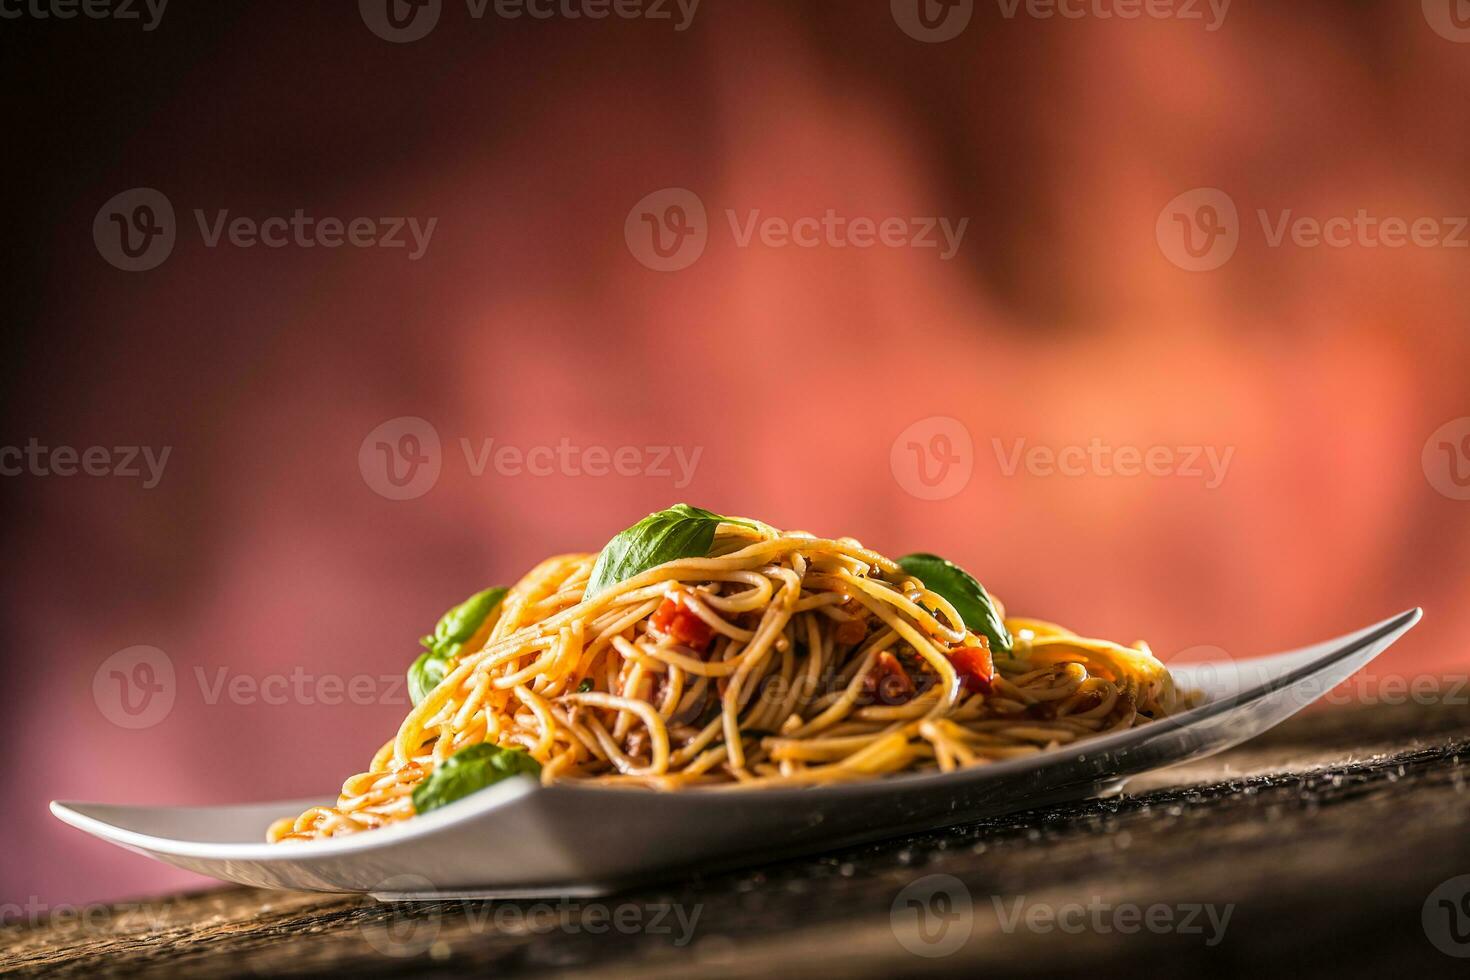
(521, 788)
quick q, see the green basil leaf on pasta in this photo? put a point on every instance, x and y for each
(681, 531)
(470, 770)
(462, 622)
(968, 596)
(454, 629)
(425, 674)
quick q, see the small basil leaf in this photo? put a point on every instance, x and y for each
(462, 622)
(667, 535)
(425, 674)
(585, 686)
(968, 596)
(469, 770)
(454, 629)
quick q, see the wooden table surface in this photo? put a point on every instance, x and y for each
(1322, 848)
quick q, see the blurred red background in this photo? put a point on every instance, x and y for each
(791, 371)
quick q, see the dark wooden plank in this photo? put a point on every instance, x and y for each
(1321, 842)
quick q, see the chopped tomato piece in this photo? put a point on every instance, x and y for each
(678, 622)
(975, 666)
(888, 680)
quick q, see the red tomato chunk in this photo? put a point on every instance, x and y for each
(975, 667)
(679, 623)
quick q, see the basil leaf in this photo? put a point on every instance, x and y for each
(462, 622)
(470, 770)
(667, 535)
(455, 628)
(425, 674)
(968, 596)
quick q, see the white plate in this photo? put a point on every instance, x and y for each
(519, 839)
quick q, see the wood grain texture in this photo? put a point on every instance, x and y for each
(1323, 838)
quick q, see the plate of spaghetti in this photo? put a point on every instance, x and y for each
(706, 690)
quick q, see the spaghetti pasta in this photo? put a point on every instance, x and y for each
(766, 659)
